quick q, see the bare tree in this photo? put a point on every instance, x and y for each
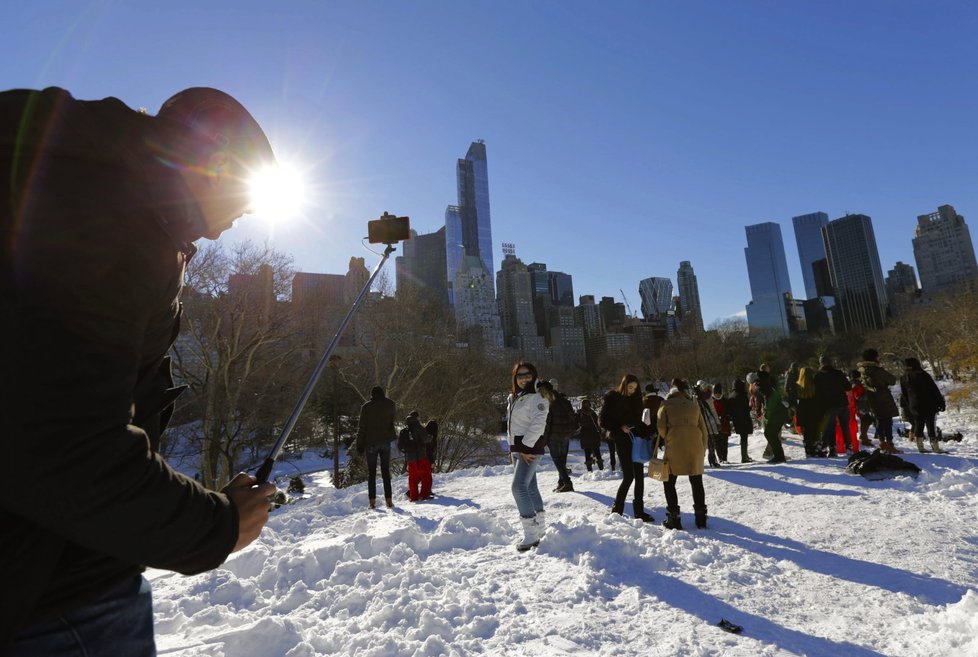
(233, 352)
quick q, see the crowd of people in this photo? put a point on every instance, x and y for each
(830, 409)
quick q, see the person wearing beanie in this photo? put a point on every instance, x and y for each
(100, 206)
(877, 381)
(921, 400)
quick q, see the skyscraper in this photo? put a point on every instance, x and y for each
(454, 250)
(689, 298)
(656, 295)
(944, 251)
(901, 287)
(476, 311)
(857, 278)
(770, 287)
(515, 300)
(423, 265)
(808, 237)
(473, 201)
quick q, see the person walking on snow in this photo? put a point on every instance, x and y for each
(590, 435)
(621, 415)
(527, 412)
(877, 381)
(413, 441)
(681, 424)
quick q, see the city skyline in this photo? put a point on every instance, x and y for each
(618, 151)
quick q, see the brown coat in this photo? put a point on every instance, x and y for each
(681, 424)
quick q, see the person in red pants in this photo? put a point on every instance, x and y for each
(413, 441)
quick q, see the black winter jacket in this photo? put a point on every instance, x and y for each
(376, 428)
(96, 233)
(618, 410)
(919, 395)
(831, 386)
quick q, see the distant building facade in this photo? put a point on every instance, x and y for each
(944, 252)
(808, 237)
(689, 299)
(767, 270)
(856, 275)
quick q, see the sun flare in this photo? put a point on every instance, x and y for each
(278, 192)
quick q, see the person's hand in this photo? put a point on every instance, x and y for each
(252, 503)
(528, 458)
(625, 428)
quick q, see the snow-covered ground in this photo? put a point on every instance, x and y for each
(808, 559)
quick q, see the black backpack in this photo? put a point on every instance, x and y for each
(405, 441)
(563, 420)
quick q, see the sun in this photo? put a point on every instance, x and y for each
(277, 192)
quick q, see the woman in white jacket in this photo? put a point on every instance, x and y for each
(527, 413)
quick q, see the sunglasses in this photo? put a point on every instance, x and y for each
(523, 375)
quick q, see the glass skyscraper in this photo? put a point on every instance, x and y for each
(473, 201)
(656, 295)
(770, 287)
(857, 278)
(808, 236)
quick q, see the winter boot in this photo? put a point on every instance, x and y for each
(541, 525)
(568, 487)
(744, 458)
(712, 452)
(639, 508)
(390, 502)
(673, 520)
(530, 538)
(700, 516)
(936, 447)
(373, 502)
(920, 446)
(618, 508)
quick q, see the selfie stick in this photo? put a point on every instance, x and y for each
(266, 467)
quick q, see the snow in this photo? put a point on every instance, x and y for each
(808, 559)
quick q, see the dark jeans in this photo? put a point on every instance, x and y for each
(840, 414)
(672, 497)
(558, 452)
(629, 472)
(884, 429)
(920, 422)
(385, 471)
(611, 455)
(593, 456)
(120, 622)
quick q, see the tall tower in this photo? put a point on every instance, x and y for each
(854, 268)
(770, 287)
(808, 236)
(656, 295)
(423, 265)
(473, 202)
(944, 251)
(689, 298)
(515, 299)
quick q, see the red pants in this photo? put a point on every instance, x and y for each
(419, 475)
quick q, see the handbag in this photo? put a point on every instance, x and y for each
(641, 448)
(658, 468)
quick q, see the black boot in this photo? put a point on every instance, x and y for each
(744, 458)
(618, 508)
(639, 508)
(700, 516)
(672, 520)
(712, 452)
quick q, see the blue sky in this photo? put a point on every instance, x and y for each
(622, 137)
